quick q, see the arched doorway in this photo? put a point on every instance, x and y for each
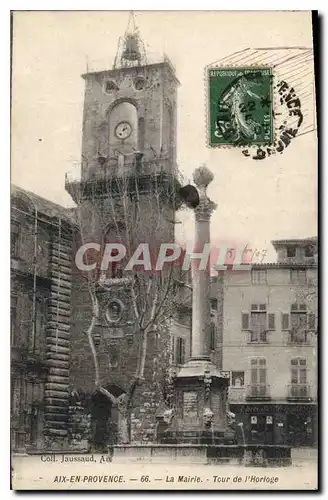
(104, 419)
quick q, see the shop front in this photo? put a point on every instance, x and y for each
(270, 423)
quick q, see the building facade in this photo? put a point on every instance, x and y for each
(38, 226)
(269, 332)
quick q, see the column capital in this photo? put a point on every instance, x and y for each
(205, 209)
(202, 178)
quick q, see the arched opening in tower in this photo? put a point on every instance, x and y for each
(123, 131)
(104, 420)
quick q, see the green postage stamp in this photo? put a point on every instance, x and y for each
(240, 106)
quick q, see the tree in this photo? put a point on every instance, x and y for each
(129, 210)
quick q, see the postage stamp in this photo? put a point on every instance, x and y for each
(240, 106)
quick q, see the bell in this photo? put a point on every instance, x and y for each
(131, 51)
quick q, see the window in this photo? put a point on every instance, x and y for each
(258, 307)
(212, 336)
(258, 323)
(298, 276)
(179, 350)
(110, 87)
(291, 251)
(298, 323)
(14, 241)
(259, 276)
(285, 321)
(13, 320)
(237, 379)
(258, 377)
(258, 327)
(298, 378)
(40, 322)
(214, 304)
(309, 251)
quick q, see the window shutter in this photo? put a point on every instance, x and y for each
(311, 321)
(175, 350)
(294, 376)
(303, 376)
(183, 351)
(271, 321)
(254, 373)
(245, 321)
(285, 321)
(262, 376)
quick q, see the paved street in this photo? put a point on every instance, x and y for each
(304, 455)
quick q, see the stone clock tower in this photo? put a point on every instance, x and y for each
(126, 194)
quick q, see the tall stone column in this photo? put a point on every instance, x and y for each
(200, 388)
(201, 311)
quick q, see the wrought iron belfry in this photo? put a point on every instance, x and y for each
(131, 48)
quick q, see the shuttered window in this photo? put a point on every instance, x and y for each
(14, 240)
(179, 350)
(258, 376)
(311, 322)
(298, 276)
(258, 327)
(271, 321)
(245, 321)
(298, 371)
(285, 321)
(259, 276)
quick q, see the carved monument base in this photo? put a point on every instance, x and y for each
(200, 401)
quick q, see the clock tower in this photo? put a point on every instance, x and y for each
(126, 192)
(129, 114)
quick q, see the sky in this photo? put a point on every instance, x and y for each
(257, 201)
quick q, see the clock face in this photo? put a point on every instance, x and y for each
(123, 130)
(139, 83)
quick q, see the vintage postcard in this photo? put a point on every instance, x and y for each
(164, 253)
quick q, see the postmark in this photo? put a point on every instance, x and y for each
(287, 119)
(240, 106)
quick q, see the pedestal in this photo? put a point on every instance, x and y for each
(200, 406)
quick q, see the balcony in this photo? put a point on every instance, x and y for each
(298, 336)
(257, 337)
(258, 392)
(298, 392)
(103, 174)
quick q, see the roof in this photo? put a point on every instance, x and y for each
(43, 205)
(298, 241)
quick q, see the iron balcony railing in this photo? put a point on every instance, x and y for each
(298, 336)
(298, 391)
(108, 169)
(257, 337)
(258, 391)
